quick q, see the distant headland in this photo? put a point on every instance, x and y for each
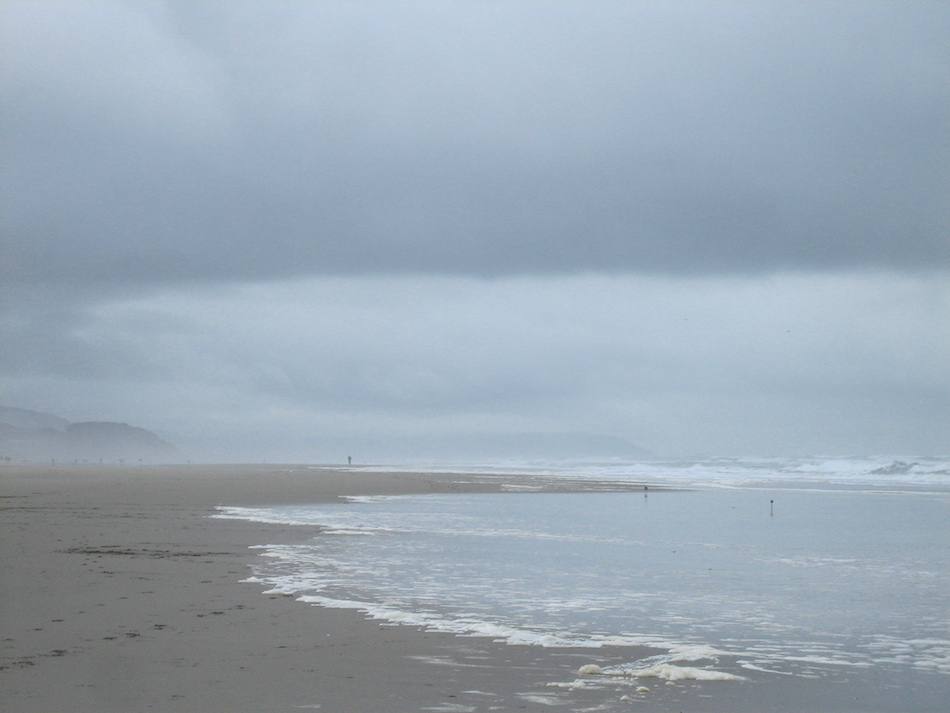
(35, 436)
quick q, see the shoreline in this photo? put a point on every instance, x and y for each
(121, 592)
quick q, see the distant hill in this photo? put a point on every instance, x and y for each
(35, 436)
(23, 418)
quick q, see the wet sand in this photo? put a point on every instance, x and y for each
(120, 593)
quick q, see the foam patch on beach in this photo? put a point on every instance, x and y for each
(692, 652)
(573, 685)
(664, 670)
(540, 700)
(262, 515)
(664, 667)
(930, 654)
(670, 672)
(282, 517)
(462, 626)
(369, 498)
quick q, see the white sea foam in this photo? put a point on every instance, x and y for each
(694, 652)
(263, 515)
(891, 471)
(749, 666)
(571, 685)
(930, 654)
(830, 661)
(669, 672)
(468, 627)
(539, 699)
(590, 669)
(698, 575)
(367, 498)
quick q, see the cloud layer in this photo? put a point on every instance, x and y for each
(282, 230)
(825, 364)
(159, 143)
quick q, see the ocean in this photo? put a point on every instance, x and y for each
(833, 569)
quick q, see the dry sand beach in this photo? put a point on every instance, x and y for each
(119, 592)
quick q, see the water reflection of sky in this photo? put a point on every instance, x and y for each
(820, 578)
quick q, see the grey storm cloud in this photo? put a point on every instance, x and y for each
(149, 143)
(306, 229)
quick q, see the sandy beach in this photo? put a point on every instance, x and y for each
(119, 592)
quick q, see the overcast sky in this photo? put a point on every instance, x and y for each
(295, 230)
